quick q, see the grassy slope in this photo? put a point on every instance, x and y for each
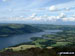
(18, 48)
(23, 47)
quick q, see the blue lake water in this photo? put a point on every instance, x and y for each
(17, 39)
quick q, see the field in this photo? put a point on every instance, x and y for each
(21, 47)
(60, 44)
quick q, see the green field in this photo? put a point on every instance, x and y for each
(60, 44)
(21, 47)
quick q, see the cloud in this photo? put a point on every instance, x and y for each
(73, 15)
(61, 15)
(47, 18)
(51, 18)
(52, 8)
(37, 18)
(10, 10)
(55, 18)
(42, 18)
(33, 15)
(67, 9)
(72, 18)
(69, 19)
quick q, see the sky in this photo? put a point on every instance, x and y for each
(37, 11)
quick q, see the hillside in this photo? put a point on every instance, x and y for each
(38, 52)
(12, 29)
(54, 27)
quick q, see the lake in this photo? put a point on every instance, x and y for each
(17, 39)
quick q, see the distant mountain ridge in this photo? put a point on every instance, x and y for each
(13, 29)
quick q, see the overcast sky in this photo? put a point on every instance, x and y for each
(37, 11)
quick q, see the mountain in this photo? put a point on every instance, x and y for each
(13, 29)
